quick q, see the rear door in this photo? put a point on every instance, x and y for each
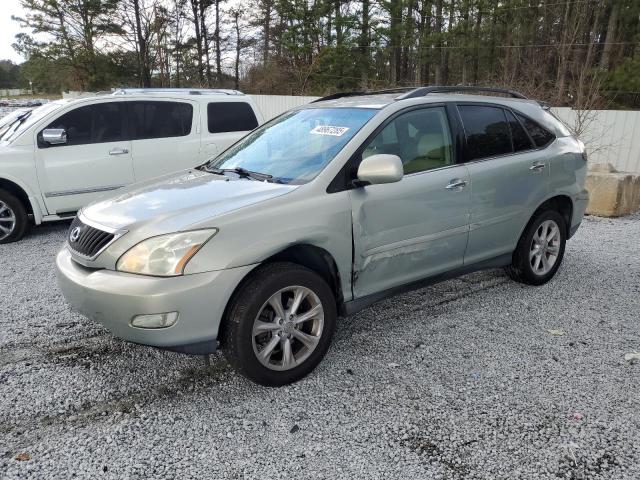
(164, 136)
(225, 123)
(95, 159)
(509, 178)
(417, 227)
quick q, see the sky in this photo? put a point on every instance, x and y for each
(9, 28)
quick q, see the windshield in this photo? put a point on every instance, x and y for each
(296, 146)
(22, 122)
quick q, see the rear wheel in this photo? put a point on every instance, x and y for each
(13, 218)
(540, 249)
(279, 324)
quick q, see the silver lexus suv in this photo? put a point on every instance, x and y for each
(321, 212)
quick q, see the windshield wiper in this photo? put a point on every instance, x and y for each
(242, 172)
(13, 126)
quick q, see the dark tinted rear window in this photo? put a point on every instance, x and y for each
(487, 131)
(540, 135)
(521, 140)
(230, 117)
(99, 123)
(151, 119)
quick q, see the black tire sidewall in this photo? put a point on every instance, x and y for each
(525, 244)
(22, 219)
(237, 342)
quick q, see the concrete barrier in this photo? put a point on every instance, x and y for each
(612, 193)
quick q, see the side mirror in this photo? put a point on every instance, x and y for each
(381, 168)
(54, 136)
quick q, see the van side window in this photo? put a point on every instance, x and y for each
(486, 130)
(230, 117)
(541, 136)
(521, 140)
(421, 139)
(149, 119)
(98, 123)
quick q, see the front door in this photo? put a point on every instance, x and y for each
(417, 227)
(95, 159)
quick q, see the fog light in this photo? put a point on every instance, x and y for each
(156, 320)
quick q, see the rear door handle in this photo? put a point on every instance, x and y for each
(118, 151)
(536, 167)
(456, 183)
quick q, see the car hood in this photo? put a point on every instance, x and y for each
(180, 199)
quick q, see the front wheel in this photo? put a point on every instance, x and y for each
(540, 249)
(279, 324)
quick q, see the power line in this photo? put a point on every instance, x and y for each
(471, 47)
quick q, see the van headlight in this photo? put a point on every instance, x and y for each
(165, 255)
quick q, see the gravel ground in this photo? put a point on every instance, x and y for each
(475, 378)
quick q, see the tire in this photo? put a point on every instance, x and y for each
(525, 267)
(251, 306)
(14, 221)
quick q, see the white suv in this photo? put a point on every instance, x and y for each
(65, 154)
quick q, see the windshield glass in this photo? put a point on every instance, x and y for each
(22, 122)
(296, 146)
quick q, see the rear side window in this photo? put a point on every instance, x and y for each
(486, 130)
(151, 119)
(230, 117)
(98, 123)
(521, 140)
(541, 136)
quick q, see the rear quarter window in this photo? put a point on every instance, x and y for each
(230, 117)
(541, 136)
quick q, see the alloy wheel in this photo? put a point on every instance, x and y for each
(545, 247)
(7, 220)
(288, 328)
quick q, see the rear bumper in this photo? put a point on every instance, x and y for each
(114, 298)
(580, 202)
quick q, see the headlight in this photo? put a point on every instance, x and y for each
(166, 255)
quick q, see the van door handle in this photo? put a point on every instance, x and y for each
(536, 167)
(118, 151)
(456, 183)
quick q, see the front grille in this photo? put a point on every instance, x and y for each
(87, 240)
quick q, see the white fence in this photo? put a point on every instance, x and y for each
(611, 136)
(273, 105)
(13, 92)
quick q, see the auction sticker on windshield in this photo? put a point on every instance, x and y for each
(329, 130)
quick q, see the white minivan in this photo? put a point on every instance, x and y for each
(65, 154)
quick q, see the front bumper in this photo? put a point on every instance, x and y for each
(114, 298)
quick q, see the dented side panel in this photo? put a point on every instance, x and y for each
(409, 230)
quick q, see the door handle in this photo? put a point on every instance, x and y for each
(456, 183)
(536, 167)
(118, 151)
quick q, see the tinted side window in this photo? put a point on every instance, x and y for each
(421, 139)
(99, 123)
(159, 119)
(540, 136)
(230, 117)
(521, 140)
(486, 130)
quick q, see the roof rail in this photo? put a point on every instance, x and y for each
(189, 91)
(334, 96)
(422, 91)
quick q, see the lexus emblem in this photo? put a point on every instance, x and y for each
(74, 235)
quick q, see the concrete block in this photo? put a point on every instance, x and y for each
(612, 193)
